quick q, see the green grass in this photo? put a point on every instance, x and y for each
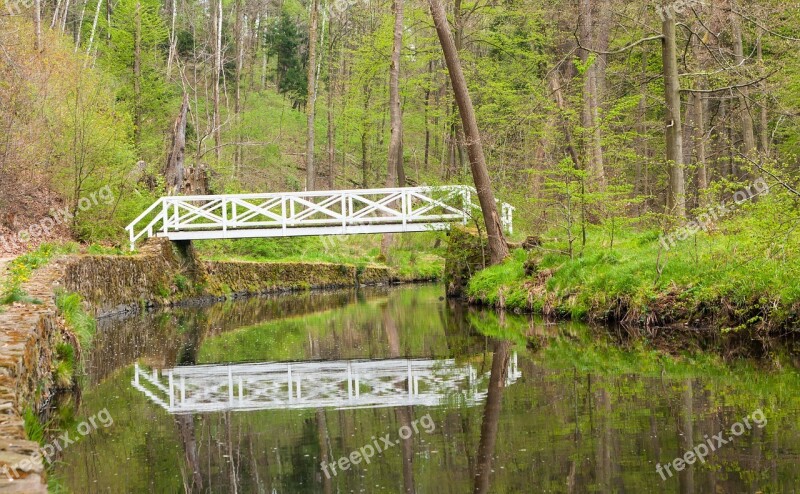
(413, 255)
(21, 269)
(746, 264)
(79, 321)
(34, 429)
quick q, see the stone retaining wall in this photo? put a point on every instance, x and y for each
(112, 284)
(28, 335)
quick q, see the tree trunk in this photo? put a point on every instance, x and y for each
(63, 25)
(173, 39)
(216, 120)
(311, 173)
(80, 23)
(676, 195)
(173, 172)
(640, 184)
(498, 248)
(237, 105)
(748, 134)
(764, 130)
(331, 136)
(37, 23)
(94, 29)
(395, 118)
(700, 147)
(56, 11)
(137, 75)
(591, 94)
(427, 104)
(364, 136)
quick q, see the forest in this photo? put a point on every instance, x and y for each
(645, 144)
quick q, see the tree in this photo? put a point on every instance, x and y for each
(311, 172)
(498, 248)
(395, 158)
(285, 41)
(676, 195)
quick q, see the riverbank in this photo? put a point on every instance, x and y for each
(726, 281)
(50, 298)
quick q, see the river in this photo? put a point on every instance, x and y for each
(399, 390)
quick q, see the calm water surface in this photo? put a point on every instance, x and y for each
(252, 395)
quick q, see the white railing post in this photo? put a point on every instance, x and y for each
(344, 211)
(164, 215)
(467, 209)
(224, 214)
(403, 209)
(171, 391)
(176, 212)
(283, 214)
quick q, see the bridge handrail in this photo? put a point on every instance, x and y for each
(225, 199)
(149, 227)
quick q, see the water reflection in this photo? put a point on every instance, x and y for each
(582, 415)
(342, 384)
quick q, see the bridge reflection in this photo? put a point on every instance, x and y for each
(341, 384)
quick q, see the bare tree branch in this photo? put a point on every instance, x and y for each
(731, 87)
(614, 52)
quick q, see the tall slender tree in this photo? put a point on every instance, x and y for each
(498, 248)
(311, 171)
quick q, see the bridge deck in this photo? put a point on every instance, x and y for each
(291, 214)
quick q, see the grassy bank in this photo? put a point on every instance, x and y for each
(412, 256)
(742, 273)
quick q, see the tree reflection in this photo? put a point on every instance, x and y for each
(491, 416)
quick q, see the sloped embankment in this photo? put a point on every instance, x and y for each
(161, 274)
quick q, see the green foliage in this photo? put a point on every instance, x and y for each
(21, 268)
(284, 40)
(412, 255)
(181, 282)
(34, 428)
(65, 365)
(749, 261)
(78, 320)
(118, 58)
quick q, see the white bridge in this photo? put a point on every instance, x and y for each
(339, 384)
(293, 214)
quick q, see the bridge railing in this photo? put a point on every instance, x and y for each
(318, 212)
(339, 384)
